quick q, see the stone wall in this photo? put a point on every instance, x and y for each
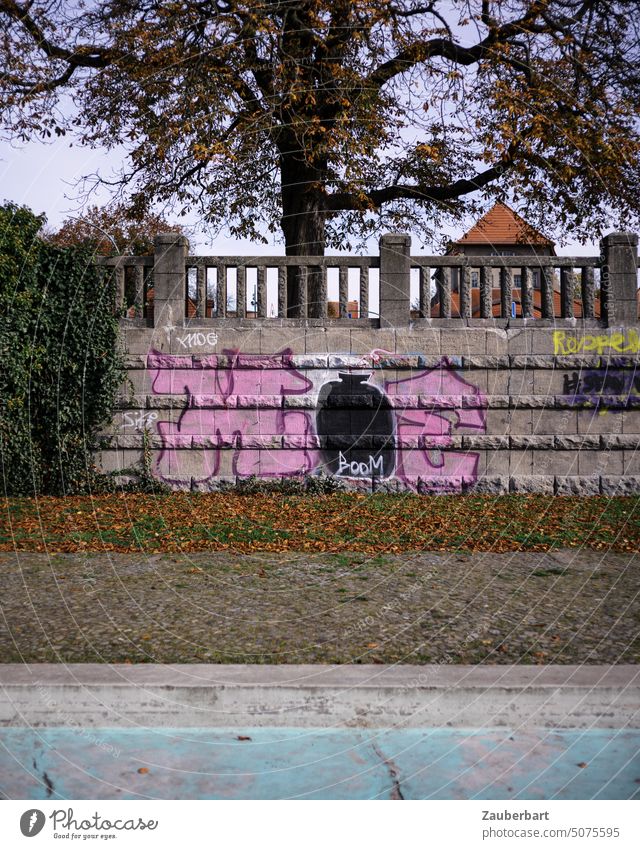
(429, 408)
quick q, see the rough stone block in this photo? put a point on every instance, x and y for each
(134, 440)
(299, 402)
(486, 362)
(490, 485)
(483, 442)
(260, 441)
(579, 442)
(310, 361)
(576, 485)
(350, 361)
(440, 485)
(628, 485)
(182, 483)
(217, 484)
(544, 402)
(498, 402)
(132, 402)
(136, 362)
(541, 484)
(530, 362)
(404, 364)
(630, 441)
(528, 441)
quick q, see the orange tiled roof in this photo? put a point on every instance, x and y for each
(515, 296)
(502, 226)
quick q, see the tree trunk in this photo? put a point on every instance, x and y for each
(304, 214)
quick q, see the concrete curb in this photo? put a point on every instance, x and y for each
(208, 695)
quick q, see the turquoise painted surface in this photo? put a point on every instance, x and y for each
(282, 763)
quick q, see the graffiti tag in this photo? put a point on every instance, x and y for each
(138, 420)
(356, 469)
(200, 339)
(621, 343)
(614, 388)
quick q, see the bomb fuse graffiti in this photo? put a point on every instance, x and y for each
(357, 423)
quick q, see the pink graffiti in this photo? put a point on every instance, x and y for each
(236, 422)
(429, 406)
(220, 412)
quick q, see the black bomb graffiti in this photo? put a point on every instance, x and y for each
(355, 423)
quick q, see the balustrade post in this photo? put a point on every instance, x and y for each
(619, 279)
(395, 272)
(169, 277)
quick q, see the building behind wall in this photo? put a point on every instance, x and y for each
(501, 232)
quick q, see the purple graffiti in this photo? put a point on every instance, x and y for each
(604, 388)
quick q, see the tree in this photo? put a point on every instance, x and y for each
(331, 119)
(107, 231)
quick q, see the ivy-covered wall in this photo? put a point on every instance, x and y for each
(61, 361)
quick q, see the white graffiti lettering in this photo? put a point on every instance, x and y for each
(193, 339)
(357, 469)
(139, 421)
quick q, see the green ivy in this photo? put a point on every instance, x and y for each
(61, 361)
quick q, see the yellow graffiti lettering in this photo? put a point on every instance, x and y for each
(621, 343)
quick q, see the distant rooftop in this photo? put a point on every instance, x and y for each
(502, 226)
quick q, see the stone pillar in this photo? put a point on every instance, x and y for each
(619, 279)
(169, 279)
(395, 268)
